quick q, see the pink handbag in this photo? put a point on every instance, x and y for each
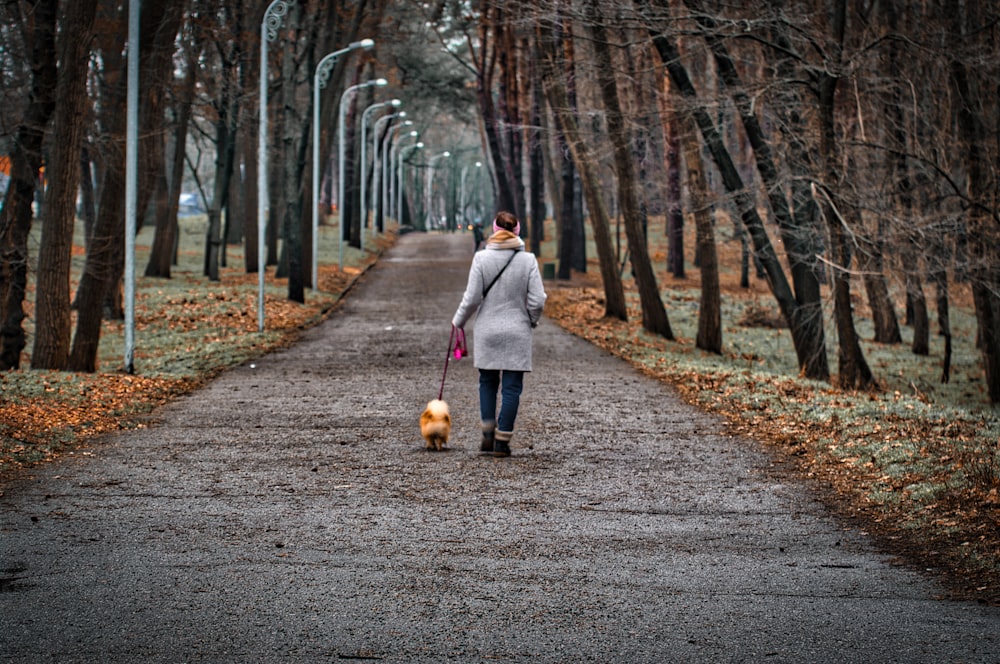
(460, 350)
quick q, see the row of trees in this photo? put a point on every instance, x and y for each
(855, 143)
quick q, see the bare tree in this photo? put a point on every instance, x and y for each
(976, 97)
(555, 91)
(809, 346)
(654, 315)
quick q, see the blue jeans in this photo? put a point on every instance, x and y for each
(510, 384)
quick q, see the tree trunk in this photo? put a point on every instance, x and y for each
(291, 215)
(161, 255)
(981, 232)
(567, 212)
(883, 315)
(509, 108)
(854, 370)
(709, 335)
(88, 203)
(563, 68)
(26, 160)
(675, 216)
(52, 303)
(939, 275)
(654, 315)
(491, 17)
(159, 25)
(918, 303)
(352, 174)
(796, 233)
(555, 90)
(536, 161)
(109, 230)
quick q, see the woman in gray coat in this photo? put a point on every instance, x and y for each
(506, 288)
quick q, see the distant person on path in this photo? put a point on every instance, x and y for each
(506, 288)
(477, 233)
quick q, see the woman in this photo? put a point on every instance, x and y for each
(506, 288)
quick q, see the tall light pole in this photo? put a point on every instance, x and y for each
(430, 183)
(320, 79)
(394, 174)
(274, 17)
(390, 178)
(402, 162)
(378, 194)
(395, 103)
(131, 181)
(341, 121)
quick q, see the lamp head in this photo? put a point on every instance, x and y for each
(381, 82)
(414, 133)
(395, 103)
(445, 154)
(366, 44)
(420, 145)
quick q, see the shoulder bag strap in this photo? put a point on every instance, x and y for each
(487, 289)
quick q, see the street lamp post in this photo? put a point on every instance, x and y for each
(390, 179)
(395, 103)
(394, 174)
(429, 197)
(377, 161)
(274, 17)
(402, 163)
(320, 79)
(131, 180)
(341, 121)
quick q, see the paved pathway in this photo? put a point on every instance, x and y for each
(288, 513)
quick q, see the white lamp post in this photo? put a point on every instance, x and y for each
(430, 182)
(402, 163)
(273, 19)
(341, 121)
(131, 181)
(394, 174)
(395, 103)
(378, 194)
(320, 79)
(390, 179)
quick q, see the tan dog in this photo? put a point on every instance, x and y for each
(435, 424)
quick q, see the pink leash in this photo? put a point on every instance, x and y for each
(458, 339)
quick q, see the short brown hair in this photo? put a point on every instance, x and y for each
(506, 220)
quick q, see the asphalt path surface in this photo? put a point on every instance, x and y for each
(288, 512)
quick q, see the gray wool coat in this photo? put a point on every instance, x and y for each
(501, 337)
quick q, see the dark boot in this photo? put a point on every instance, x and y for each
(501, 443)
(486, 447)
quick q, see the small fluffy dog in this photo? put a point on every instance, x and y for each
(435, 424)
